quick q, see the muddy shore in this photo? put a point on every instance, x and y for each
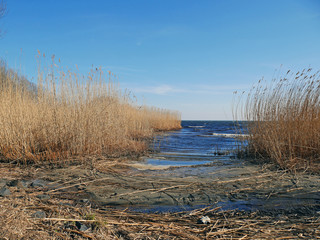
(134, 196)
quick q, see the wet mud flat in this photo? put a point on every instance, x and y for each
(125, 199)
(233, 186)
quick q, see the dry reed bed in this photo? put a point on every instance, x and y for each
(284, 120)
(67, 114)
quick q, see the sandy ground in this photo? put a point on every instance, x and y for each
(132, 186)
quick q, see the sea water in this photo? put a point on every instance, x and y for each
(207, 149)
(198, 142)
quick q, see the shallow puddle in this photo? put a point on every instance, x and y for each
(288, 204)
(165, 162)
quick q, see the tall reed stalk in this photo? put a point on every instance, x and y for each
(284, 120)
(67, 115)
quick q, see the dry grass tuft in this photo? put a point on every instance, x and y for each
(284, 120)
(67, 114)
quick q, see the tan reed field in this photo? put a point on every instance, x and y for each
(284, 120)
(68, 115)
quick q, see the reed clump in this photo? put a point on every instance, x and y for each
(66, 114)
(284, 120)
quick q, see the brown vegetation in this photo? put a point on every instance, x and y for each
(67, 114)
(284, 120)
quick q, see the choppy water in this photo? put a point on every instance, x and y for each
(198, 142)
(215, 144)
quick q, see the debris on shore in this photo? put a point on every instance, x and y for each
(71, 206)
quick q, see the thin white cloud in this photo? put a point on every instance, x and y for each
(194, 89)
(159, 90)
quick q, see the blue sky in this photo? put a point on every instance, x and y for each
(176, 54)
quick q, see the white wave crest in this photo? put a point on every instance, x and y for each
(230, 135)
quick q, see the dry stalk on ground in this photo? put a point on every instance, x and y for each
(64, 218)
(65, 215)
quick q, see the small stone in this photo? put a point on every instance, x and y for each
(65, 204)
(18, 183)
(4, 191)
(82, 227)
(3, 182)
(23, 184)
(204, 220)
(39, 214)
(13, 183)
(38, 183)
(43, 196)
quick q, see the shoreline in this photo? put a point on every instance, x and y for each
(106, 189)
